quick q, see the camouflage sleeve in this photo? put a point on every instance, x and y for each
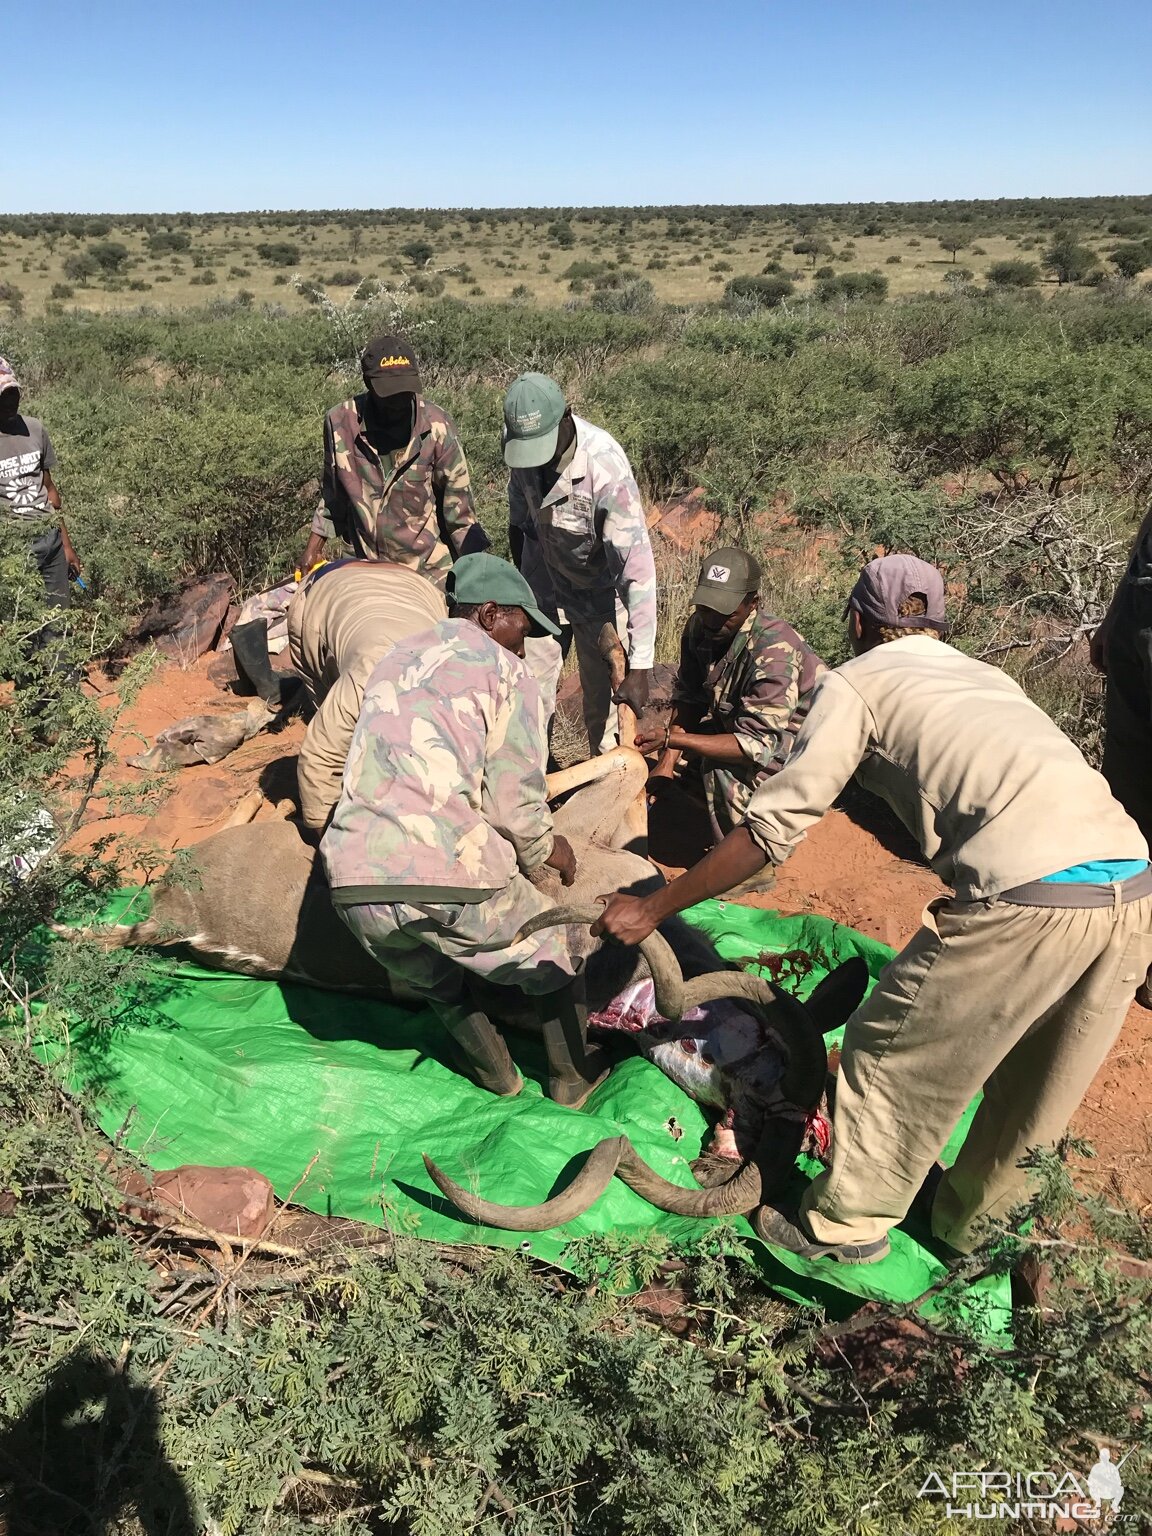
(629, 552)
(331, 516)
(514, 797)
(832, 742)
(453, 487)
(771, 692)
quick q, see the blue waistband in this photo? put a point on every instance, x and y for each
(1098, 872)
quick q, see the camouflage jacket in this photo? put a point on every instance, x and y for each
(418, 513)
(443, 795)
(586, 541)
(759, 690)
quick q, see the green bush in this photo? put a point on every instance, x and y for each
(13, 297)
(345, 277)
(169, 240)
(279, 253)
(109, 255)
(1013, 274)
(753, 293)
(80, 268)
(62, 291)
(851, 287)
(1130, 259)
(635, 296)
(418, 252)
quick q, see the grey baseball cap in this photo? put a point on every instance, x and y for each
(533, 410)
(884, 584)
(726, 578)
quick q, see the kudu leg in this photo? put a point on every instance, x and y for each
(635, 821)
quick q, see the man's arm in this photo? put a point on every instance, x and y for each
(514, 795)
(324, 752)
(330, 519)
(828, 751)
(630, 559)
(518, 520)
(1098, 644)
(453, 488)
(52, 491)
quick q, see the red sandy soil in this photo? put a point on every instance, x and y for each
(856, 866)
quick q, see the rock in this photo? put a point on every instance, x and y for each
(236, 1201)
(686, 522)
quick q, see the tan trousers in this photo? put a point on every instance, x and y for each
(1023, 1002)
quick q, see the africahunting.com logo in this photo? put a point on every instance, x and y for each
(1046, 1494)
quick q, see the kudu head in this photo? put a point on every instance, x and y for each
(796, 1029)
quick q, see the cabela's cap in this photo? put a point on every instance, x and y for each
(726, 578)
(389, 367)
(533, 410)
(885, 583)
(8, 379)
(488, 579)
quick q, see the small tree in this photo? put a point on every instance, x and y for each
(952, 242)
(1070, 261)
(418, 252)
(811, 247)
(562, 234)
(279, 253)
(109, 255)
(757, 292)
(1131, 258)
(80, 268)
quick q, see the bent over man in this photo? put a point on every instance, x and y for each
(742, 692)
(577, 531)
(396, 483)
(443, 819)
(1018, 982)
(345, 618)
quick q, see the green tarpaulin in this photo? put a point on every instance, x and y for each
(222, 1070)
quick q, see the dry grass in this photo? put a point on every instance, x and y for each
(518, 255)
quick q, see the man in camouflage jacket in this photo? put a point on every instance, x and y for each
(742, 693)
(395, 483)
(443, 818)
(577, 531)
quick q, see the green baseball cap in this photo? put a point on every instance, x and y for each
(488, 579)
(533, 409)
(726, 578)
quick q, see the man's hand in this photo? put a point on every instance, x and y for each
(1098, 649)
(633, 691)
(651, 739)
(627, 919)
(562, 859)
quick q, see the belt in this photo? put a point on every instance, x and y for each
(1047, 893)
(322, 570)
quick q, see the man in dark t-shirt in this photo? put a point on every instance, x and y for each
(28, 494)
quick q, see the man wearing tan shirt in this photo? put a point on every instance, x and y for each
(1017, 984)
(343, 620)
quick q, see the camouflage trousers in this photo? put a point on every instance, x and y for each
(725, 792)
(433, 946)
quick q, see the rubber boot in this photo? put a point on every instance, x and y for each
(573, 1070)
(482, 1047)
(250, 648)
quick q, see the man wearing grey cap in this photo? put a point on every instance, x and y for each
(1017, 984)
(742, 692)
(577, 531)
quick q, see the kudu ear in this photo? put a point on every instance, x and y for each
(838, 995)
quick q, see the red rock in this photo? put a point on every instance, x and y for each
(235, 1201)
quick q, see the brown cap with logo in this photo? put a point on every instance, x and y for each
(389, 367)
(726, 578)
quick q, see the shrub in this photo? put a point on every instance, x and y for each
(852, 286)
(345, 277)
(753, 293)
(892, 261)
(635, 296)
(1013, 274)
(279, 253)
(418, 252)
(239, 272)
(656, 264)
(13, 297)
(824, 272)
(109, 255)
(62, 291)
(1130, 259)
(138, 285)
(521, 294)
(1068, 260)
(429, 284)
(562, 234)
(169, 240)
(80, 268)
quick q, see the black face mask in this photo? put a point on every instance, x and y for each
(393, 415)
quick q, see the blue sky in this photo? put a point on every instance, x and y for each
(144, 105)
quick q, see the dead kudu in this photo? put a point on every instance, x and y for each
(253, 900)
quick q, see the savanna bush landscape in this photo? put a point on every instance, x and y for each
(971, 381)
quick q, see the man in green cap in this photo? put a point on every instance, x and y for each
(742, 692)
(443, 819)
(577, 531)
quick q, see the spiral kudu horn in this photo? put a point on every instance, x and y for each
(667, 978)
(584, 1190)
(806, 1065)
